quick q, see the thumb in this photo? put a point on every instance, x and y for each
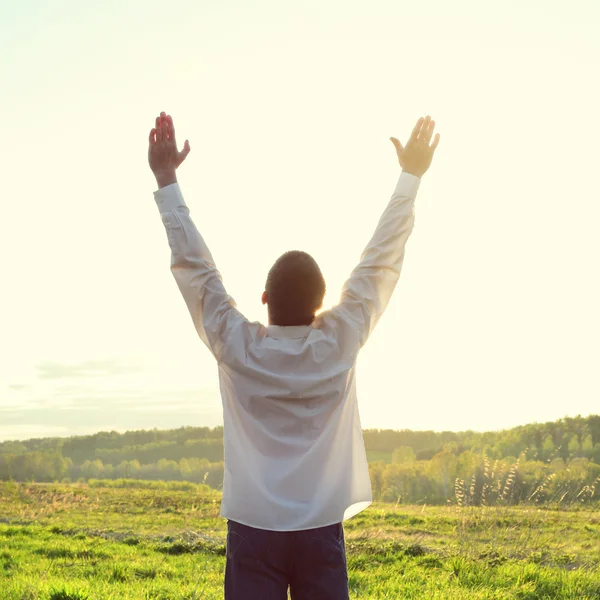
(185, 151)
(397, 145)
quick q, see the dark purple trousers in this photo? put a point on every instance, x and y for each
(261, 564)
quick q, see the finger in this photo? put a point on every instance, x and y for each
(436, 141)
(415, 131)
(163, 126)
(158, 130)
(429, 132)
(152, 136)
(397, 145)
(170, 127)
(424, 128)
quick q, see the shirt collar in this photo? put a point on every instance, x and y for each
(290, 331)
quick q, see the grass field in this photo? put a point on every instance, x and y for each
(72, 542)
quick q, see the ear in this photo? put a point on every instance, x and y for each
(264, 297)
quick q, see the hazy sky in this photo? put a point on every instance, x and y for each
(289, 107)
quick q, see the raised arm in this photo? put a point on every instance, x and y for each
(212, 310)
(368, 290)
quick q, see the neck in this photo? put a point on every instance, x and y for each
(291, 323)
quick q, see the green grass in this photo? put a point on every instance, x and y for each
(74, 542)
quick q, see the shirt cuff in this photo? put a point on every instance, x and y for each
(408, 185)
(169, 197)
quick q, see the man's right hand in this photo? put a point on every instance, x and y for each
(163, 156)
(415, 158)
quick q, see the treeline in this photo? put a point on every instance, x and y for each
(465, 478)
(567, 438)
(406, 466)
(144, 445)
(51, 466)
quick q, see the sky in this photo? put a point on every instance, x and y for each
(289, 107)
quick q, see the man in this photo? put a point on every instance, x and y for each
(295, 461)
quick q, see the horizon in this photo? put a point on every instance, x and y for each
(364, 429)
(289, 110)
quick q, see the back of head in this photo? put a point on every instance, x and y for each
(295, 289)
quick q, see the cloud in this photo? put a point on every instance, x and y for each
(74, 397)
(161, 409)
(88, 368)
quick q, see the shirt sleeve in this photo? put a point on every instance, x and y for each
(368, 290)
(213, 311)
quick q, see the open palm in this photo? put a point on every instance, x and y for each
(163, 155)
(416, 156)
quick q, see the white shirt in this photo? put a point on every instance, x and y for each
(294, 452)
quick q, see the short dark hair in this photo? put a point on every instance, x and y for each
(295, 289)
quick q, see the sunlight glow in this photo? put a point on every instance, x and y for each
(494, 322)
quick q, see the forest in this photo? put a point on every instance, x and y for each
(549, 462)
